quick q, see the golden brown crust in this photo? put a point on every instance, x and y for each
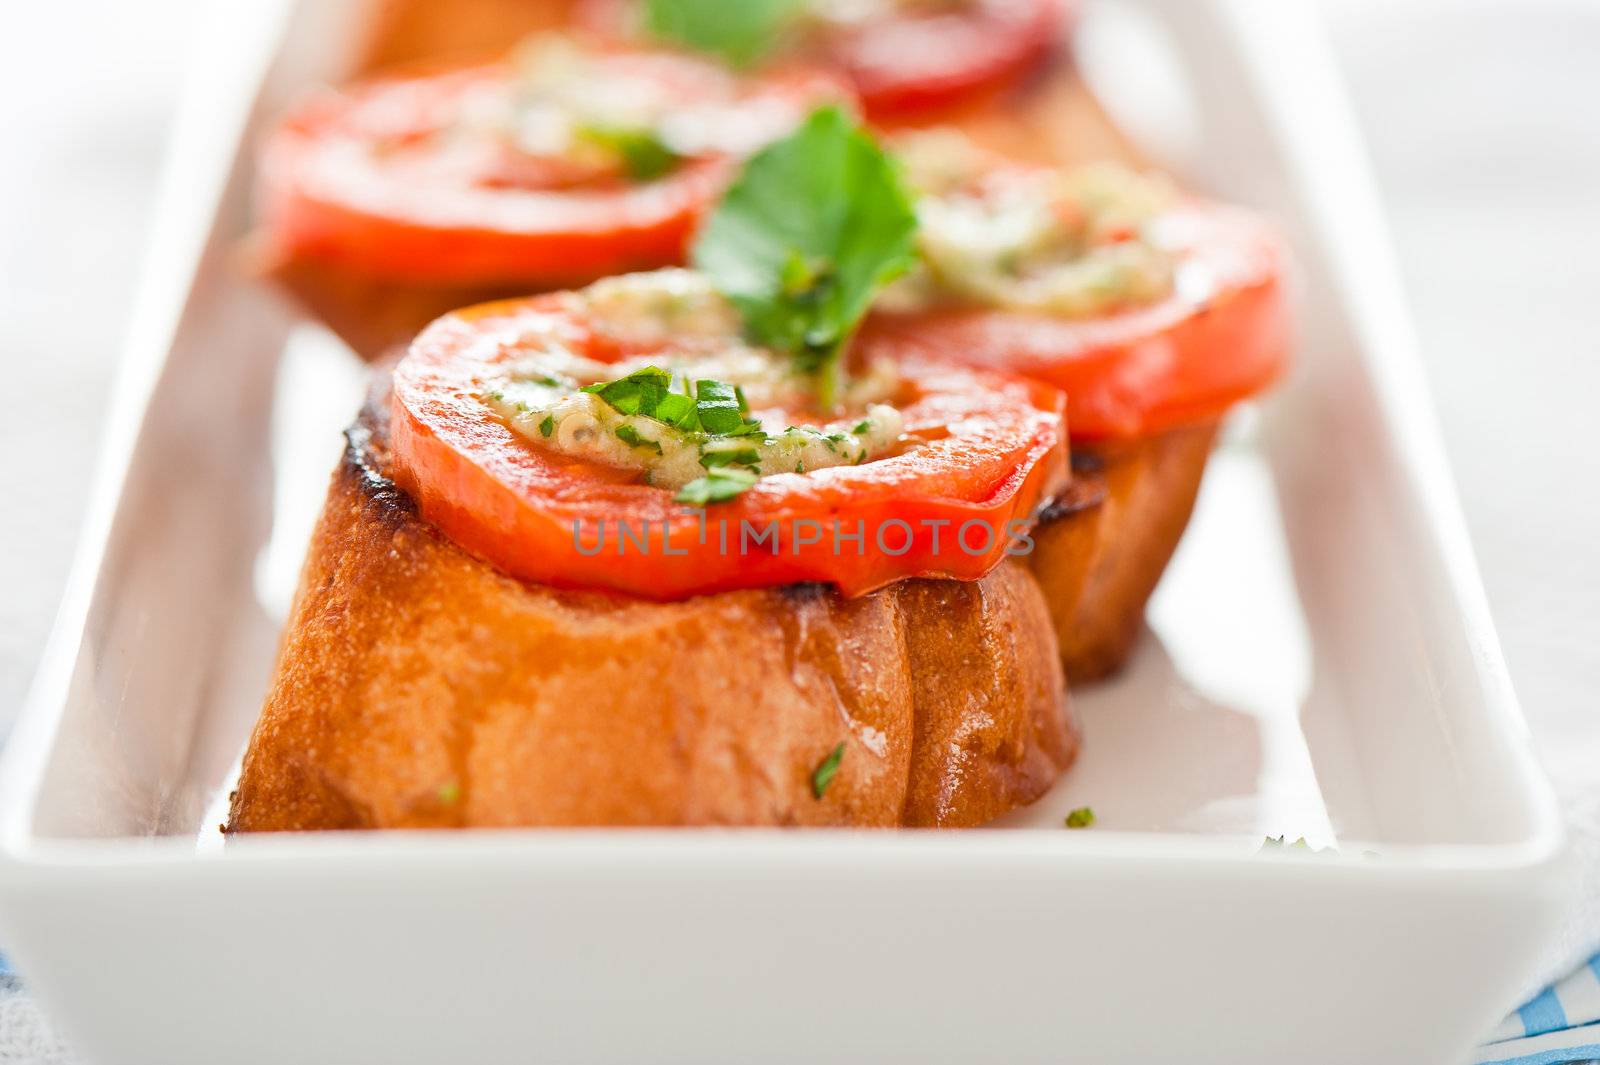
(371, 315)
(1098, 564)
(419, 687)
(403, 32)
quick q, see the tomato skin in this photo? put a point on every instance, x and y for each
(907, 66)
(514, 504)
(326, 194)
(1180, 361)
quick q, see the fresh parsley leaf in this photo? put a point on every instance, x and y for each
(717, 486)
(547, 426)
(823, 775)
(740, 32)
(645, 156)
(677, 409)
(712, 458)
(630, 436)
(814, 226)
(1282, 843)
(718, 407)
(1082, 817)
(640, 392)
(862, 428)
(715, 408)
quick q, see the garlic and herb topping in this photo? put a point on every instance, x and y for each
(1078, 243)
(587, 113)
(702, 414)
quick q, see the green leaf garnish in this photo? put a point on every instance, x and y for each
(814, 226)
(547, 426)
(740, 32)
(676, 409)
(640, 392)
(718, 407)
(630, 436)
(726, 456)
(717, 486)
(715, 408)
(1082, 817)
(645, 156)
(823, 775)
(1282, 843)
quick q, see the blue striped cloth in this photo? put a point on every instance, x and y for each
(1559, 1025)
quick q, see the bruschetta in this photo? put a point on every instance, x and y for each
(907, 59)
(1156, 313)
(388, 203)
(669, 550)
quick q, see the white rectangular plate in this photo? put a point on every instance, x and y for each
(1321, 664)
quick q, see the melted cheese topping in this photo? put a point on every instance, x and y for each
(541, 397)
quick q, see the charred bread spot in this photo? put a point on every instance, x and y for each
(804, 593)
(1083, 493)
(387, 501)
(1087, 460)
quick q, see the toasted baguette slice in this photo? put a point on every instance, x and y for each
(370, 314)
(406, 32)
(1100, 551)
(418, 687)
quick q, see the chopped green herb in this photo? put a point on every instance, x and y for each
(547, 426)
(676, 409)
(717, 486)
(630, 436)
(814, 226)
(823, 775)
(744, 404)
(740, 33)
(712, 458)
(645, 156)
(718, 407)
(1082, 817)
(1280, 843)
(640, 392)
(714, 408)
(800, 466)
(862, 428)
(547, 381)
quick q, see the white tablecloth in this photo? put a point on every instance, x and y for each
(1484, 119)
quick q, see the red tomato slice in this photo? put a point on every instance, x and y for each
(385, 178)
(993, 450)
(906, 62)
(1220, 337)
(920, 61)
